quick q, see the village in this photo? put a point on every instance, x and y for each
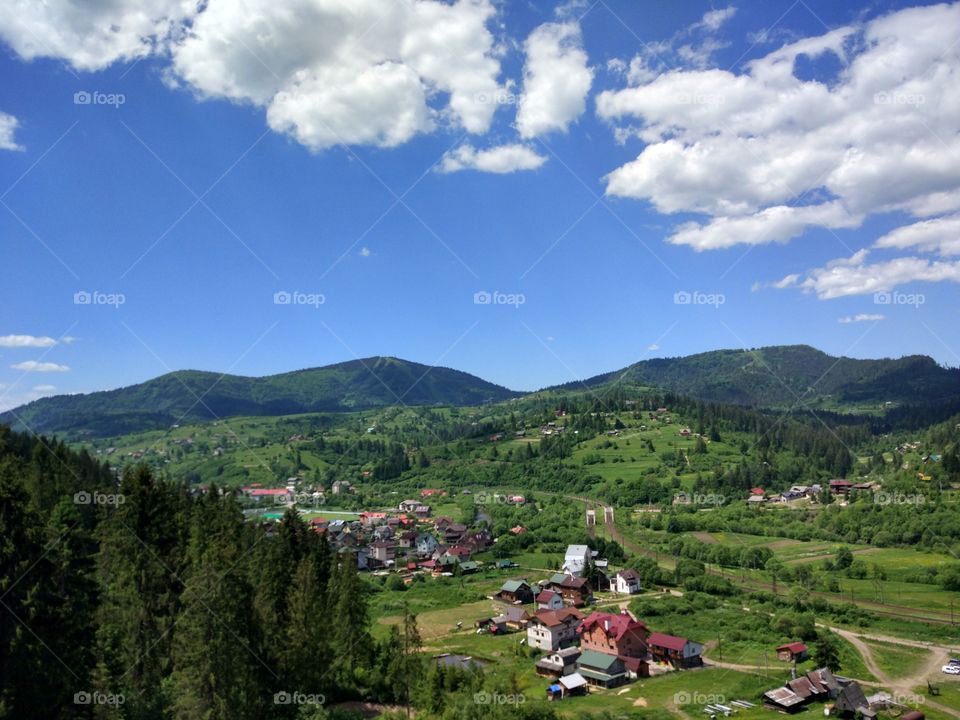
(577, 647)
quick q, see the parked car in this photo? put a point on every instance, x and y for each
(951, 669)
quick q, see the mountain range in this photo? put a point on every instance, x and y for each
(771, 377)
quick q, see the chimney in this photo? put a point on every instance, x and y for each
(606, 624)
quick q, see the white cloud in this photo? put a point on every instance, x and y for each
(364, 252)
(364, 72)
(881, 135)
(556, 79)
(855, 276)
(22, 341)
(774, 224)
(35, 366)
(941, 235)
(8, 127)
(713, 19)
(861, 317)
(654, 347)
(44, 388)
(500, 159)
(91, 35)
(326, 71)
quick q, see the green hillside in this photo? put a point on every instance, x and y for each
(190, 395)
(780, 376)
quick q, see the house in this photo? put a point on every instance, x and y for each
(851, 702)
(373, 518)
(453, 533)
(276, 495)
(516, 499)
(549, 600)
(840, 487)
(469, 567)
(559, 663)
(341, 487)
(408, 505)
(602, 670)
(797, 693)
(422, 511)
(514, 617)
(426, 544)
(458, 552)
(618, 634)
(677, 651)
(515, 591)
(518, 530)
(756, 500)
(567, 686)
(626, 582)
(575, 559)
(792, 652)
(407, 539)
(574, 590)
(382, 552)
(757, 491)
(553, 629)
(478, 541)
(505, 564)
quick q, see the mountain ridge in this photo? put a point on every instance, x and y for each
(773, 377)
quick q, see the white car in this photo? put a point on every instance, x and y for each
(951, 669)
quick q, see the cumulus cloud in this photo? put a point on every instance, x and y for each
(713, 19)
(861, 317)
(856, 276)
(940, 235)
(36, 366)
(326, 72)
(366, 72)
(500, 159)
(8, 127)
(22, 341)
(770, 153)
(556, 79)
(91, 36)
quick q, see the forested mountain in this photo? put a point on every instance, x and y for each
(782, 376)
(190, 395)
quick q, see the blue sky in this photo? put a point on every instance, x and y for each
(623, 180)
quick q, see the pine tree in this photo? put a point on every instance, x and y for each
(351, 644)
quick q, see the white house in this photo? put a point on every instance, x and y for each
(426, 544)
(626, 582)
(549, 600)
(575, 559)
(553, 629)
